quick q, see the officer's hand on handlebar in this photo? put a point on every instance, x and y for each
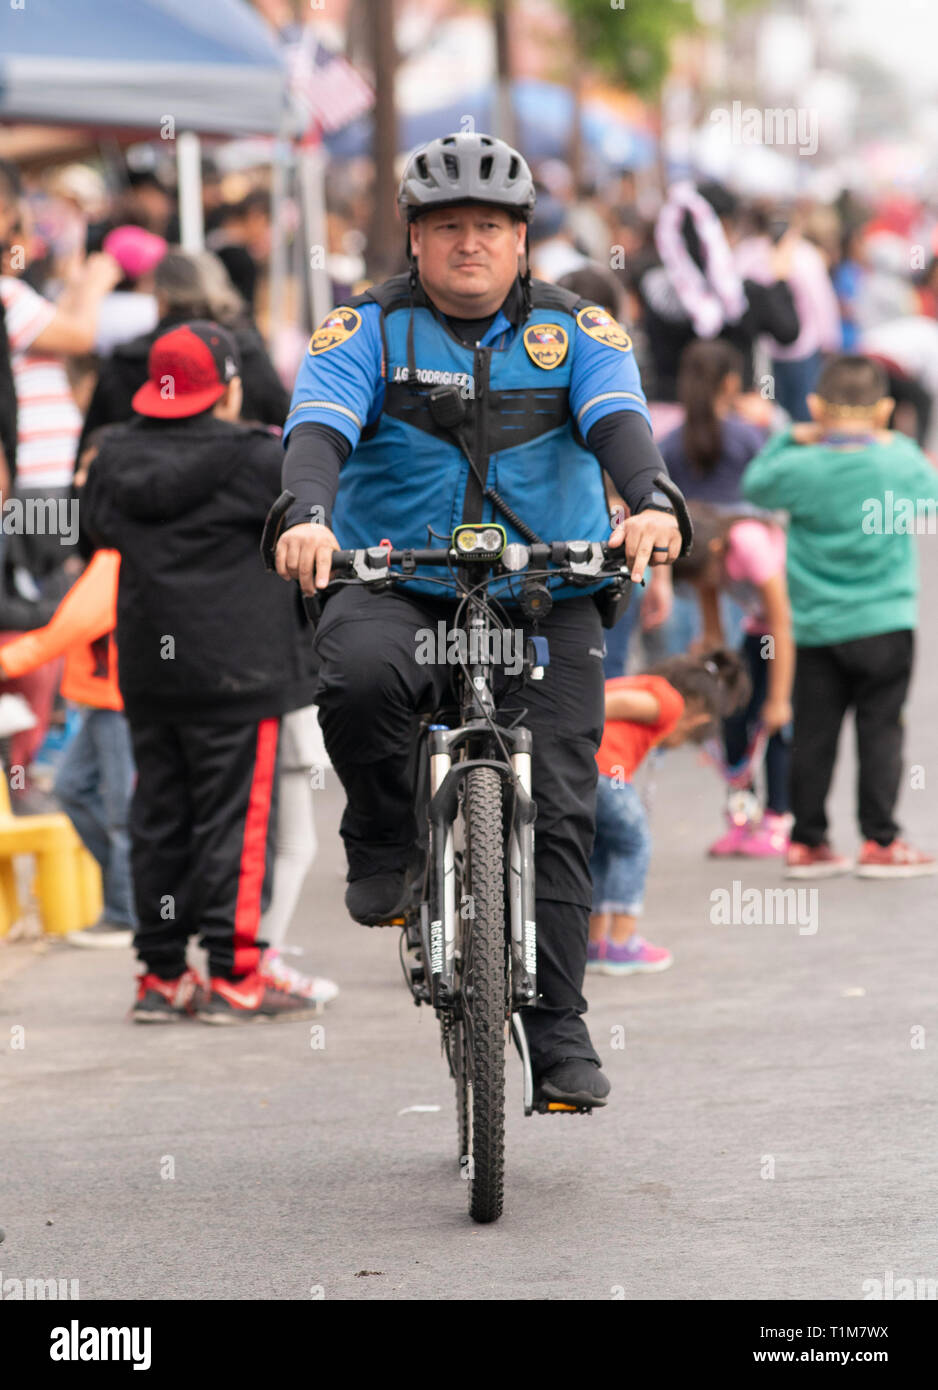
(643, 534)
(305, 553)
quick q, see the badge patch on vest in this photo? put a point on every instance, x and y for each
(600, 324)
(546, 344)
(336, 328)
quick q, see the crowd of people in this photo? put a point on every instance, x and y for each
(789, 359)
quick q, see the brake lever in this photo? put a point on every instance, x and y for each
(681, 515)
(273, 526)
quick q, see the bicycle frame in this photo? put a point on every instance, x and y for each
(450, 754)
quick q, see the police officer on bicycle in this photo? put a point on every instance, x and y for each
(551, 394)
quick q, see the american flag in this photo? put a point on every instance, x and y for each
(325, 84)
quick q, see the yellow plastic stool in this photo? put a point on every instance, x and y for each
(68, 880)
(9, 896)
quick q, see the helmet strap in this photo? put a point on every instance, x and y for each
(526, 273)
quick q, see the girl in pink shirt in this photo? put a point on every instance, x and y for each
(744, 556)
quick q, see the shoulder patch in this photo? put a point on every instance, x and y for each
(546, 344)
(335, 329)
(600, 324)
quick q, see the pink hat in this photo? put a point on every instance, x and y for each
(136, 250)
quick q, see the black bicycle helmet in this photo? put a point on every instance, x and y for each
(466, 168)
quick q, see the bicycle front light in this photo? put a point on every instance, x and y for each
(479, 542)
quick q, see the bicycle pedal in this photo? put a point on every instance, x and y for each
(559, 1107)
(391, 922)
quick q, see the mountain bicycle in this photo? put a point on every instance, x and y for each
(468, 943)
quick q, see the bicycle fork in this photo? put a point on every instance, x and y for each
(439, 919)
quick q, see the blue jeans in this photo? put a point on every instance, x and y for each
(94, 784)
(739, 728)
(793, 383)
(621, 850)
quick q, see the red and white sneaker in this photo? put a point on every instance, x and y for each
(897, 860)
(260, 995)
(167, 1001)
(814, 861)
(315, 987)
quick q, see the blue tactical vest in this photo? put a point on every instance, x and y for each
(517, 424)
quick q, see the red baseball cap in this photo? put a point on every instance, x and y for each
(190, 368)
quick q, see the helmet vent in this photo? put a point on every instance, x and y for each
(485, 167)
(513, 168)
(422, 169)
(451, 165)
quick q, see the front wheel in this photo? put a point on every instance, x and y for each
(479, 1042)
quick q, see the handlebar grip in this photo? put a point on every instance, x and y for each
(676, 497)
(273, 525)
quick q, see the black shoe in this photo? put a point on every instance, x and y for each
(376, 900)
(576, 1083)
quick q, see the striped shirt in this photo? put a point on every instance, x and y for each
(49, 421)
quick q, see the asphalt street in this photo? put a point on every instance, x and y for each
(772, 1130)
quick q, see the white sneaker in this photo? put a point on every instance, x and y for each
(102, 934)
(307, 986)
(15, 715)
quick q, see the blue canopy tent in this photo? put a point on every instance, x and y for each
(212, 65)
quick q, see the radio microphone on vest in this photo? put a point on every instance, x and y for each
(447, 407)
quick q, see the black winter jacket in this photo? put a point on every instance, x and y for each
(265, 399)
(204, 633)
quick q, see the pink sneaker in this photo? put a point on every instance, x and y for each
(635, 957)
(768, 839)
(730, 844)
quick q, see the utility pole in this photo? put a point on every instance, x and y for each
(504, 112)
(384, 233)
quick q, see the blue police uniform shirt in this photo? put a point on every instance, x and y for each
(544, 382)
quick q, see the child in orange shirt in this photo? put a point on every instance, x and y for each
(682, 699)
(96, 777)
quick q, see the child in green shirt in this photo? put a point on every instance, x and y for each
(856, 495)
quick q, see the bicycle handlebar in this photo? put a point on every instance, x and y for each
(585, 558)
(581, 555)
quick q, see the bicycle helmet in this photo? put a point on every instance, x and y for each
(466, 168)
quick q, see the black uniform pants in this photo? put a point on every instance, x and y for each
(372, 691)
(202, 825)
(871, 674)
